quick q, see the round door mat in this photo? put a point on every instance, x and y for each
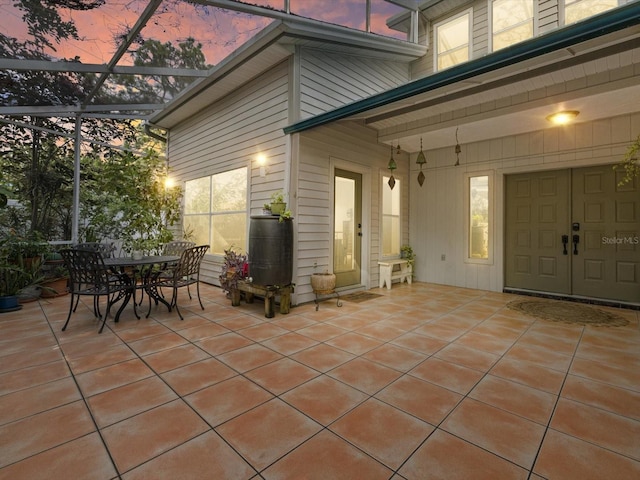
(573, 313)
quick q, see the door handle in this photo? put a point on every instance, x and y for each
(576, 241)
(565, 241)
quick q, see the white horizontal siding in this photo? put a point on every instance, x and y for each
(328, 81)
(548, 15)
(346, 142)
(229, 134)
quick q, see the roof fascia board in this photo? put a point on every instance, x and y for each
(77, 67)
(609, 22)
(355, 38)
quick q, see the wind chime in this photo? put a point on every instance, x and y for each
(421, 160)
(458, 149)
(392, 166)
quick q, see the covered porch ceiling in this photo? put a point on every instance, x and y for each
(595, 71)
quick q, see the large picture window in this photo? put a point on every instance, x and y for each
(453, 41)
(215, 210)
(511, 22)
(391, 234)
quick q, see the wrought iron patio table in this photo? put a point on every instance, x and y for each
(144, 272)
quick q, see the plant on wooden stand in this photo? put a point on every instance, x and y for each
(234, 269)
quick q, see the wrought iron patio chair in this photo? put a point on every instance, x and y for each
(106, 249)
(186, 272)
(89, 276)
(176, 247)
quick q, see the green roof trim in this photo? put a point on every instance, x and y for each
(603, 24)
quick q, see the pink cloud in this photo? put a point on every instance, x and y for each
(219, 31)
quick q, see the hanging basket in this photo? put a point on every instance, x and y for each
(323, 283)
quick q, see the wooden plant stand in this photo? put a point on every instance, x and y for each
(269, 293)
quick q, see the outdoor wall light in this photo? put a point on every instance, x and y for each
(261, 160)
(169, 182)
(392, 166)
(421, 160)
(562, 118)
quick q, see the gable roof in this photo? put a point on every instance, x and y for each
(271, 46)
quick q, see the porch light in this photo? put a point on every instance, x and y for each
(562, 118)
(261, 160)
(421, 160)
(392, 166)
(169, 183)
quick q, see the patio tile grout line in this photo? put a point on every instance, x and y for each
(82, 395)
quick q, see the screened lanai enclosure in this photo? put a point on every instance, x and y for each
(79, 80)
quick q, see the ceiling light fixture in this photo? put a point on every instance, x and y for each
(564, 117)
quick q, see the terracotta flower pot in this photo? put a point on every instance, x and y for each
(323, 283)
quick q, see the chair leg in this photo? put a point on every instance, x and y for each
(198, 290)
(174, 302)
(71, 309)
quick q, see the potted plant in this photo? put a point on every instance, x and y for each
(12, 279)
(55, 281)
(323, 283)
(406, 252)
(233, 270)
(277, 205)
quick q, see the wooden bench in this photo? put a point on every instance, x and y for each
(269, 293)
(388, 272)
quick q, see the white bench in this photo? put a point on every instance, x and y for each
(388, 273)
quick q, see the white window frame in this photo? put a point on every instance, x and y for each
(383, 184)
(211, 213)
(534, 19)
(467, 218)
(562, 9)
(469, 12)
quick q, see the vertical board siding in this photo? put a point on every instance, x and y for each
(328, 81)
(438, 225)
(229, 134)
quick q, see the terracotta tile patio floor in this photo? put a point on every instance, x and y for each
(424, 381)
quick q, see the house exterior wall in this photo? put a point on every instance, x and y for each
(329, 80)
(353, 147)
(438, 225)
(229, 134)
(546, 18)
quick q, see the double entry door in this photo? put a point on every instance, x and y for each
(573, 232)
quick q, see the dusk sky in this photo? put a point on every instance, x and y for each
(219, 31)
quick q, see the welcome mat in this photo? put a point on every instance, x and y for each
(573, 313)
(359, 297)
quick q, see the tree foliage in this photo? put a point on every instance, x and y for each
(122, 193)
(630, 162)
(159, 88)
(138, 209)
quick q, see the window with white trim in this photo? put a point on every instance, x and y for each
(576, 10)
(479, 214)
(215, 210)
(390, 231)
(511, 22)
(453, 41)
